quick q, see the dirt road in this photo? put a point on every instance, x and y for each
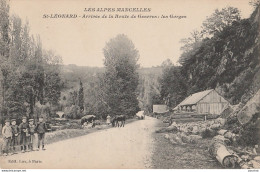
(128, 147)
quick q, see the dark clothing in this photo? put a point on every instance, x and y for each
(31, 129)
(23, 139)
(32, 138)
(14, 142)
(41, 128)
(31, 132)
(15, 130)
(41, 137)
(24, 148)
(24, 130)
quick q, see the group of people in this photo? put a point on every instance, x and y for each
(26, 132)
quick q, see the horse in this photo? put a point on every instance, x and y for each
(88, 119)
(117, 119)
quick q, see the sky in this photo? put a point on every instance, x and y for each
(81, 41)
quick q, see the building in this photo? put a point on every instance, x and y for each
(160, 109)
(205, 102)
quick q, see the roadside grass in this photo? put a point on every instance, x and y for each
(60, 135)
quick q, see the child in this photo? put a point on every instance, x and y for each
(7, 136)
(24, 130)
(40, 129)
(15, 131)
(31, 132)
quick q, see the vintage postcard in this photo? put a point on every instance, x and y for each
(129, 84)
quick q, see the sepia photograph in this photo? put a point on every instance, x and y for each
(129, 84)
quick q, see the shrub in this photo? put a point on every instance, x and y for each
(72, 112)
(249, 133)
(208, 133)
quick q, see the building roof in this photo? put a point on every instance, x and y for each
(194, 98)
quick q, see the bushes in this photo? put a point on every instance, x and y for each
(72, 126)
(73, 112)
(208, 133)
(250, 133)
(64, 124)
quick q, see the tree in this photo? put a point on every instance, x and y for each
(81, 96)
(72, 98)
(220, 19)
(190, 42)
(121, 77)
(4, 28)
(149, 88)
(173, 85)
(52, 79)
(254, 3)
(222, 62)
(95, 101)
(4, 52)
(26, 75)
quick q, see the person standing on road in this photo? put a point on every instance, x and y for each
(93, 123)
(31, 132)
(7, 136)
(15, 130)
(108, 119)
(24, 131)
(40, 129)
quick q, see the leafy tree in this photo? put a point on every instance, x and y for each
(14, 95)
(81, 96)
(121, 77)
(254, 3)
(52, 78)
(27, 75)
(149, 89)
(73, 112)
(173, 85)
(192, 41)
(4, 28)
(72, 98)
(227, 61)
(220, 19)
(95, 102)
(4, 52)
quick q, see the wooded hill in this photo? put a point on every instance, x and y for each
(227, 59)
(147, 91)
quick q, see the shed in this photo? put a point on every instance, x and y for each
(204, 102)
(160, 108)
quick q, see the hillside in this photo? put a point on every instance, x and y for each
(227, 62)
(147, 89)
(72, 73)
